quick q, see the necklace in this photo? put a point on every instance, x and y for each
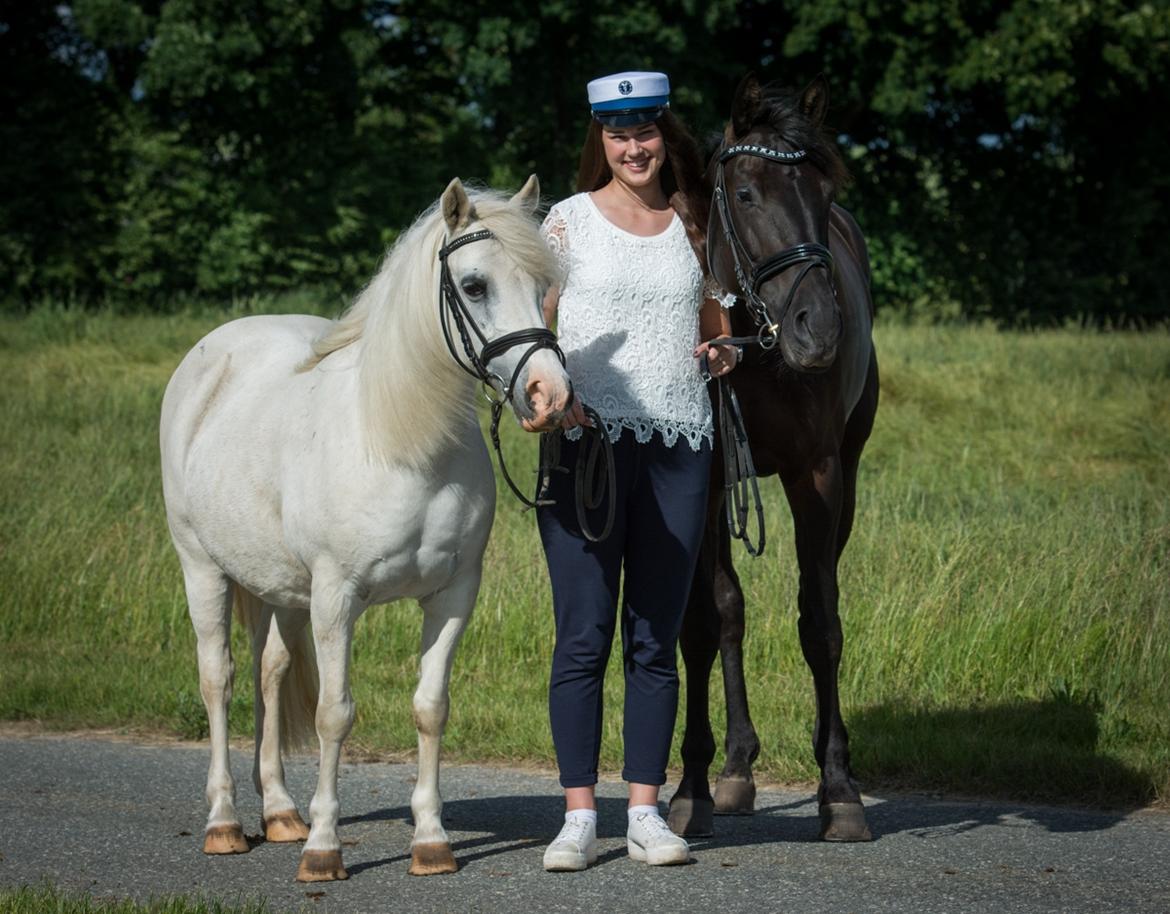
(629, 196)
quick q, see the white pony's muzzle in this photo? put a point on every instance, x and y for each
(543, 391)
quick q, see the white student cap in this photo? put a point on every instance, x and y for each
(625, 99)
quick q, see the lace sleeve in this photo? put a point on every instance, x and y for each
(712, 289)
(556, 234)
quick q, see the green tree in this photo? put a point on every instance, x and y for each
(1009, 147)
(58, 129)
(1007, 153)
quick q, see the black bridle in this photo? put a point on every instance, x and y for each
(739, 471)
(810, 253)
(595, 473)
(452, 309)
(451, 305)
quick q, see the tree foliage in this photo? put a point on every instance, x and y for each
(1007, 155)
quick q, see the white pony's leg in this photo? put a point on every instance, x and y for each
(209, 602)
(275, 631)
(445, 615)
(334, 611)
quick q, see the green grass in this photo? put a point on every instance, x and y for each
(48, 900)
(1005, 597)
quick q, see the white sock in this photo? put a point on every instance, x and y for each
(634, 811)
(586, 815)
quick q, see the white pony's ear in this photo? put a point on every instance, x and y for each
(457, 207)
(528, 196)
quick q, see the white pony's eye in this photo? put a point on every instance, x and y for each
(473, 287)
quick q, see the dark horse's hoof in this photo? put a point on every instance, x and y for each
(844, 822)
(691, 818)
(735, 796)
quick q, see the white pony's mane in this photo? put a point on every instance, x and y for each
(411, 394)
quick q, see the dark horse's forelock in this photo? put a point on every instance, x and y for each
(781, 109)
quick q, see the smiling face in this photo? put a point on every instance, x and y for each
(636, 154)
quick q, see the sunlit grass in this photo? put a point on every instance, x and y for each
(1005, 597)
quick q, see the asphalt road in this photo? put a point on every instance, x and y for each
(117, 819)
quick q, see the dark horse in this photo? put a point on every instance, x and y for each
(799, 265)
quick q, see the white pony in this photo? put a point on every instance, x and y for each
(312, 469)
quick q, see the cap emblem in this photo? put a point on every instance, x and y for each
(625, 87)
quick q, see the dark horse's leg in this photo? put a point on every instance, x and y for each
(816, 501)
(691, 806)
(714, 623)
(822, 503)
(735, 790)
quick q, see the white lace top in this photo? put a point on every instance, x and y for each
(628, 321)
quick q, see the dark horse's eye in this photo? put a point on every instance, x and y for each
(474, 288)
(743, 195)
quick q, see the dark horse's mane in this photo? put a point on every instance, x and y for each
(782, 110)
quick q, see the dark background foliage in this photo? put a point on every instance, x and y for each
(1007, 156)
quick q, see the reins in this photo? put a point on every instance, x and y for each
(739, 471)
(595, 474)
(593, 477)
(740, 481)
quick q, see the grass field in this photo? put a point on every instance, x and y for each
(1006, 595)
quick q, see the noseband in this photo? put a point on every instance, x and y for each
(453, 309)
(810, 253)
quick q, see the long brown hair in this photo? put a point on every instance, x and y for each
(682, 177)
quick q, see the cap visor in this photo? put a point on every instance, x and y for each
(627, 118)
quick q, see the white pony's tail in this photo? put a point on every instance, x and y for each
(298, 691)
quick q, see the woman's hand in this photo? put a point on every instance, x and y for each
(720, 359)
(575, 415)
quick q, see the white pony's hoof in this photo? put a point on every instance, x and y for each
(321, 866)
(285, 827)
(432, 859)
(225, 839)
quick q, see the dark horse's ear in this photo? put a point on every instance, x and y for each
(815, 100)
(748, 98)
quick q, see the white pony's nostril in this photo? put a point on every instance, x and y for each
(534, 394)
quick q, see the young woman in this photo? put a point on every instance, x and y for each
(632, 313)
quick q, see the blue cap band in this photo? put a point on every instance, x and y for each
(632, 104)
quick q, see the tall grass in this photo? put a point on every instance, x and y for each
(1005, 596)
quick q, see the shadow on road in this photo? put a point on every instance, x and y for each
(1046, 751)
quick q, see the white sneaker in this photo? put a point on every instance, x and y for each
(651, 841)
(574, 848)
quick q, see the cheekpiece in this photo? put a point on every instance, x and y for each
(625, 99)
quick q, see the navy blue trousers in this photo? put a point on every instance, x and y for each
(661, 508)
